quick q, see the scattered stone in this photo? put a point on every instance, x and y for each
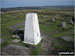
(67, 38)
(4, 53)
(56, 16)
(15, 36)
(21, 28)
(64, 26)
(16, 50)
(1, 40)
(53, 19)
(16, 40)
(17, 25)
(45, 16)
(19, 34)
(70, 21)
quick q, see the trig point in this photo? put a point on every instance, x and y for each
(32, 31)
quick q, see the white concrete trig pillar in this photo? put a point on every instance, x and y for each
(32, 30)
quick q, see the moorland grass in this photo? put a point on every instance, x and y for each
(52, 29)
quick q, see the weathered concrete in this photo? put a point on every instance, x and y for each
(32, 31)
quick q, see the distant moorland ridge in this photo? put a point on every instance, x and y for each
(37, 7)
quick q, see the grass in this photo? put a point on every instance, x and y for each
(61, 45)
(37, 50)
(51, 29)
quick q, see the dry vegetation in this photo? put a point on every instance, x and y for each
(51, 29)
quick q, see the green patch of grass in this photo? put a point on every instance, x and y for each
(6, 42)
(3, 45)
(49, 28)
(37, 51)
(61, 45)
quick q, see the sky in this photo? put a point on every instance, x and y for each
(26, 3)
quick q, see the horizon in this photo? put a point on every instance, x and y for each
(35, 3)
(40, 6)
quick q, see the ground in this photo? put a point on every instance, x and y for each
(53, 35)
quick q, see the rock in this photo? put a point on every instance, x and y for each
(19, 34)
(53, 19)
(21, 28)
(16, 40)
(1, 40)
(56, 16)
(15, 36)
(67, 38)
(64, 26)
(70, 21)
(17, 25)
(16, 50)
(45, 16)
(4, 53)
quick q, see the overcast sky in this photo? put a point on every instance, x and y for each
(22, 3)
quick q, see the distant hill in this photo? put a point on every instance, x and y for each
(37, 7)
